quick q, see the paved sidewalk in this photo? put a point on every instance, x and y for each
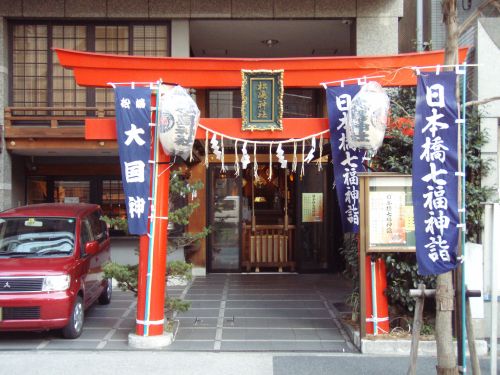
(229, 312)
(196, 363)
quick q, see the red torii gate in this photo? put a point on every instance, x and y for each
(97, 70)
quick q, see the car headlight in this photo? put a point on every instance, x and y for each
(57, 283)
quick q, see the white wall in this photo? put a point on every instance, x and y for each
(488, 57)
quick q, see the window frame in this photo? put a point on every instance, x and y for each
(90, 47)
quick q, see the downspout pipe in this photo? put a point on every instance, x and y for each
(420, 25)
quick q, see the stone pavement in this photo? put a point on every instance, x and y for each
(229, 312)
(278, 312)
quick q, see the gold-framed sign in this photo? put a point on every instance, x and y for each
(262, 99)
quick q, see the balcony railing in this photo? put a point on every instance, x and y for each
(50, 122)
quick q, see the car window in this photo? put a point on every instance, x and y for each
(99, 228)
(36, 236)
(85, 235)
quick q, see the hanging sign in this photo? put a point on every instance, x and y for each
(435, 163)
(133, 112)
(312, 207)
(262, 99)
(347, 161)
(178, 117)
(387, 219)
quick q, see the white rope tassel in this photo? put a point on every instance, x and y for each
(206, 148)
(310, 155)
(270, 162)
(215, 146)
(236, 161)
(320, 167)
(223, 167)
(294, 163)
(303, 152)
(255, 165)
(280, 155)
(245, 158)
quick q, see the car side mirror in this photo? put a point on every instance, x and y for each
(91, 247)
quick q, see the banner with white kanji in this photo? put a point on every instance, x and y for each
(133, 114)
(347, 161)
(435, 183)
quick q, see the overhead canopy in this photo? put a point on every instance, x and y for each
(97, 70)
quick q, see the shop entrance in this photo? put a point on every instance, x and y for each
(272, 220)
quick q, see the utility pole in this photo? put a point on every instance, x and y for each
(444, 288)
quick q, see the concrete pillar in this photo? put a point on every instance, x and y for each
(376, 36)
(181, 48)
(5, 159)
(377, 26)
(180, 38)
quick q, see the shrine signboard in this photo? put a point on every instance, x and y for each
(262, 99)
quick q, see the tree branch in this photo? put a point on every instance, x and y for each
(401, 108)
(484, 101)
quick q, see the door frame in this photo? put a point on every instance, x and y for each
(210, 214)
(328, 236)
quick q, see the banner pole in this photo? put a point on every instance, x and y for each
(464, 219)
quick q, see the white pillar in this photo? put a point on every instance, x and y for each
(5, 159)
(180, 38)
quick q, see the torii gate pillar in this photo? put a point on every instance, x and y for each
(149, 332)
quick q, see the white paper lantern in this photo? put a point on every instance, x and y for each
(178, 120)
(367, 118)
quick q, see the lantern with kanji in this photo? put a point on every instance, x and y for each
(367, 118)
(178, 118)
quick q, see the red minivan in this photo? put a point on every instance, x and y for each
(51, 258)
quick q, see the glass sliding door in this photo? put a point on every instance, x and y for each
(312, 240)
(224, 209)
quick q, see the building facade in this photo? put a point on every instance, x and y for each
(45, 156)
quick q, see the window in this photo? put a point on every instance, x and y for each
(85, 236)
(36, 190)
(30, 66)
(99, 229)
(113, 198)
(224, 103)
(298, 103)
(110, 39)
(72, 191)
(150, 40)
(65, 91)
(38, 80)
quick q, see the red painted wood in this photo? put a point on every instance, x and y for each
(141, 283)
(157, 299)
(105, 128)
(97, 70)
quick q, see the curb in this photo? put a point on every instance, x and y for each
(399, 347)
(402, 347)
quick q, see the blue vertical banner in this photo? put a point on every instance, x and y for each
(435, 182)
(133, 115)
(347, 161)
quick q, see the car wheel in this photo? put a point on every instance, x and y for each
(105, 297)
(75, 324)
